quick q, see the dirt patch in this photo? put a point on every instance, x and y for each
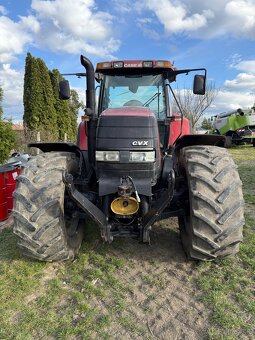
(162, 301)
(159, 299)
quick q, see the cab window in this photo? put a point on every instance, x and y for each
(134, 90)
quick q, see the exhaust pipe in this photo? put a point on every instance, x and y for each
(90, 106)
(90, 91)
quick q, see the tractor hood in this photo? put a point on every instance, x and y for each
(127, 128)
(126, 133)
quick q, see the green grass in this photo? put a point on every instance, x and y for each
(84, 298)
(61, 307)
(243, 153)
(227, 286)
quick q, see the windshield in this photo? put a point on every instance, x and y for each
(135, 90)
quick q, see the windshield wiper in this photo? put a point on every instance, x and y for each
(151, 99)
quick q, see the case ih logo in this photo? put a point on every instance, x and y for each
(133, 65)
(140, 142)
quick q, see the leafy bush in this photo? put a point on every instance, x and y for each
(7, 140)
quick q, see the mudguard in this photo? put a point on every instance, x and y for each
(48, 147)
(189, 140)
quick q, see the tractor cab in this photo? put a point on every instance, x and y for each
(141, 84)
(136, 84)
(132, 85)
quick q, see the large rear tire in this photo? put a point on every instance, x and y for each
(42, 214)
(212, 227)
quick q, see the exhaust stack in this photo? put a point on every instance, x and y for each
(90, 92)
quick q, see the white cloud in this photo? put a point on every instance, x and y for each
(11, 81)
(245, 80)
(30, 23)
(242, 15)
(204, 19)
(123, 6)
(245, 65)
(60, 26)
(237, 92)
(233, 60)
(146, 26)
(74, 17)
(175, 18)
(74, 26)
(3, 10)
(230, 100)
(242, 81)
(14, 36)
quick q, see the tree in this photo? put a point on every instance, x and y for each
(1, 99)
(207, 124)
(7, 135)
(48, 118)
(194, 106)
(64, 119)
(43, 111)
(38, 99)
(27, 90)
(75, 104)
(32, 95)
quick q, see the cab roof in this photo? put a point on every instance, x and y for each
(142, 65)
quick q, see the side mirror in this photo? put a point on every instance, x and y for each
(199, 84)
(64, 90)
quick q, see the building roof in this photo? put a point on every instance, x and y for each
(18, 127)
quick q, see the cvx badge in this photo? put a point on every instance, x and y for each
(140, 142)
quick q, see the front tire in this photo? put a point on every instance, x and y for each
(212, 227)
(42, 221)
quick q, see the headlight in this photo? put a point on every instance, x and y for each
(140, 156)
(107, 156)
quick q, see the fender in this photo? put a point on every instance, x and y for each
(189, 140)
(48, 147)
(67, 147)
(178, 129)
(82, 138)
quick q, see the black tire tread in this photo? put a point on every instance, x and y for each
(213, 226)
(39, 223)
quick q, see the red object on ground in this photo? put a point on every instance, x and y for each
(10, 179)
(3, 198)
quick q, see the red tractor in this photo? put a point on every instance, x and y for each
(134, 163)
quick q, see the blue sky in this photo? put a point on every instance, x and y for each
(218, 35)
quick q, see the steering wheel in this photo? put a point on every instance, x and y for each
(133, 102)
